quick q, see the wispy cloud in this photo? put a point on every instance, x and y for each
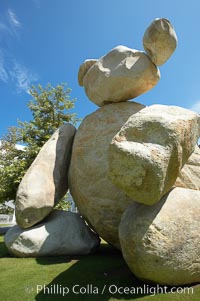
(10, 25)
(5, 31)
(11, 68)
(14, 72)
(3, 72)
(196, 107)
(13, 18)
(22, 77)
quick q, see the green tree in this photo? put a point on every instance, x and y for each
(64, 204)
(50, 108)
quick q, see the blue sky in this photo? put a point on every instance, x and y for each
(44, 41)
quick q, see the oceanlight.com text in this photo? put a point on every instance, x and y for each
(112, 289)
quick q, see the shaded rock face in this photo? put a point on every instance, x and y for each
(120, 75)
(189, 176)
(147, 154)
(160, 41)
(99, 201)
(45, 182)
(61, 233)
(160, 243)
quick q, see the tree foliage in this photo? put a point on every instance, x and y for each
(50, 108)
(64, 203)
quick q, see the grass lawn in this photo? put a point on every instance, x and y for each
(20, 278)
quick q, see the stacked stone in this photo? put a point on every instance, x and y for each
(125, 73)
(134, 171)
(42, 230)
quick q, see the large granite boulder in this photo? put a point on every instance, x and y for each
(120, 75)
(160, 243)
(160, 41)
(99, 201)
(147, 154)
(61, 233)
(45, 182)
(189, 176)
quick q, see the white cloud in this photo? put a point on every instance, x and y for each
(23, 77)
(6, 30)
(196, 107)
(11, 71)
(3, 72)
(14, 72)
(13, 18)
(9, 26)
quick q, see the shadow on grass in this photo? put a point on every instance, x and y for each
(3, 250)
(100, 276)
(94, 277)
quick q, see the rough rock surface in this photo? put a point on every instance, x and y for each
(147, 154)
(160, 243)
(99, 201)
(61, 233)
(84, 69)
(45, 182)
(189, 176)
(160, 41)
(120, 75)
